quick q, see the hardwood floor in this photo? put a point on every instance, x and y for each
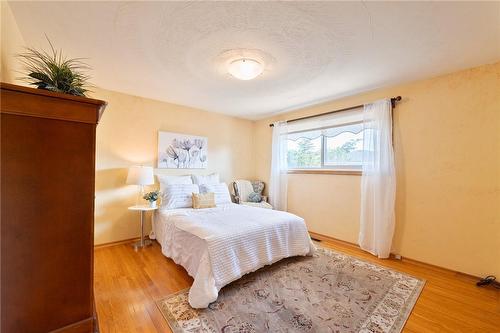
(127, 284)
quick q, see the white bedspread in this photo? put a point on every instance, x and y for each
(219, 245)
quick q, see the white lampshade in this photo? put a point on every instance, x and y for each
(140, 175)
(245, 69)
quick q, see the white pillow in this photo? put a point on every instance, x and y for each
(208, 179)
(169, 180)
(221, 191)
(178, 196)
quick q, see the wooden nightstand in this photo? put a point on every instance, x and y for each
(143, 242)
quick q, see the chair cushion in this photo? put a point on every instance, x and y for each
(262, 204)
(243, 188)
(249, 191)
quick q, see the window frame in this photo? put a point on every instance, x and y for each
(325, 168)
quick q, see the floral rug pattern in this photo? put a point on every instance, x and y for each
(329, 292)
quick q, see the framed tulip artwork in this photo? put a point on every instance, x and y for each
(181, 151)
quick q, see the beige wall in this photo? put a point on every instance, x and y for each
(127, 135)
(323, 200)
(447, 146)
(12, 43)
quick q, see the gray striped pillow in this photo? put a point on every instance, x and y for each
(178, 196)
(221, 191)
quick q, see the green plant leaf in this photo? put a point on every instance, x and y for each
(40, 76)
(52, 71)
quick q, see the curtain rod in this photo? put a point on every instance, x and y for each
(393, 102)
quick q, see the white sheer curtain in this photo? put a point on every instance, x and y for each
(278, 183)
(378, 183)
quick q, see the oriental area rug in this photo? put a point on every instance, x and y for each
(328, 292)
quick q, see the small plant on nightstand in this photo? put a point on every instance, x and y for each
(152, 198)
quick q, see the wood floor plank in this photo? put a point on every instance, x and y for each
(128, 283)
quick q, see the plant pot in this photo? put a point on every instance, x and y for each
(152, 204)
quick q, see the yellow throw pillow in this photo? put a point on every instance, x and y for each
(203, 200)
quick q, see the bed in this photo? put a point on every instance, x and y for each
(219, 245)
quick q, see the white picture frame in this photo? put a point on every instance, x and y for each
(182, 151)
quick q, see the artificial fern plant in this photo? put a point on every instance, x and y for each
(52, 71)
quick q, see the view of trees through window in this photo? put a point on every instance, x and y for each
(304, 153)
(344, 150)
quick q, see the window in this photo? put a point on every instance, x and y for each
(334, 142)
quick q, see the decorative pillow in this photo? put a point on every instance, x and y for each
(256, 195)
(178, 196)
(170, 180)
(221, 191)
(203, 200)
(208, 179)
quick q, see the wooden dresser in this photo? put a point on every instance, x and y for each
(47, 210)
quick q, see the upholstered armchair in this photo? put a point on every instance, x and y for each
(249, 193)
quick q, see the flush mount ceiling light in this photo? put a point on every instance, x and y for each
(245, 69)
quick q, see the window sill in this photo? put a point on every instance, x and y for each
(325, 172)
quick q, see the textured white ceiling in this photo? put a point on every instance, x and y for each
(315, 51)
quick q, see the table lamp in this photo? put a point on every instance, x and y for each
(140, 175)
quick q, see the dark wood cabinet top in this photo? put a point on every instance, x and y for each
(40, 103)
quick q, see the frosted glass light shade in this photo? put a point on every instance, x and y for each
(140, 175)
(245, 69)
